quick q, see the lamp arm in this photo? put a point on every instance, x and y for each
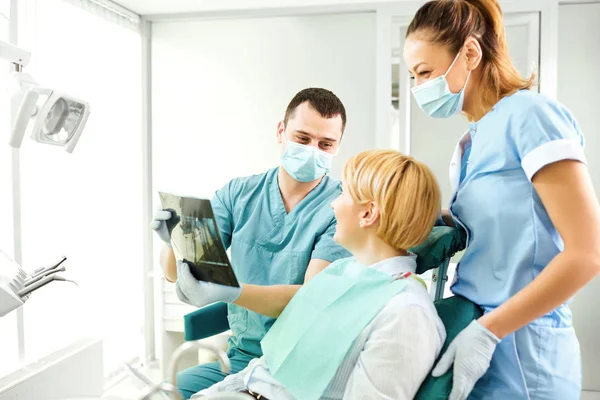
(14, 54)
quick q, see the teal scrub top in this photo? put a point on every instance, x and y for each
(270, 246)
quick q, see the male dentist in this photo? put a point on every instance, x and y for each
(279, 226)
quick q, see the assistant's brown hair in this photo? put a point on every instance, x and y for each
(451, 22)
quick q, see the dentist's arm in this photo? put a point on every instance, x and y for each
(271, 300)
(163, 224)
(265, 300)
(168, 263)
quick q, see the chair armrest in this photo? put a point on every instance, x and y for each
(441, 244)
(206, 321)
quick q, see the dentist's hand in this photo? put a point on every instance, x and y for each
(471, 352)
(163, 224)
(199, 293)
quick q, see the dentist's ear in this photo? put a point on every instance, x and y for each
(280, 132)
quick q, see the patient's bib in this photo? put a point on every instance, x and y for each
(310, 339)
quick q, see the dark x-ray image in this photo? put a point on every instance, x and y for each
(196, 240)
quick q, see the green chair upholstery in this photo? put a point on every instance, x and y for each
(456, 313)
(441, 244)
(206, 321)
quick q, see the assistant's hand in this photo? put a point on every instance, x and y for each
(199, 293)
(471, 352)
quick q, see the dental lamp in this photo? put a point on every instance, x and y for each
(58, 118)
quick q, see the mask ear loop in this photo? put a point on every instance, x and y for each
(453, 62)
(452, 65)
(467, 81)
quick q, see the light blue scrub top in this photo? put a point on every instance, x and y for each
(511, 239)
(270, 246)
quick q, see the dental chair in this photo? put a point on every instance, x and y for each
(434, 255)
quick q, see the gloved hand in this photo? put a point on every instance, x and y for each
(471, 352)
(163, 224)
(199, 293)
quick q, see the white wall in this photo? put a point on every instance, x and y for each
(578, 88)
(220, 87)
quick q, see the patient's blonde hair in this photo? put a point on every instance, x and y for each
(404, 189)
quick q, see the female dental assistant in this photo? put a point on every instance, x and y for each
(522, 191)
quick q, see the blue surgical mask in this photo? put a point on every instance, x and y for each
(435, 98)
(305, 163)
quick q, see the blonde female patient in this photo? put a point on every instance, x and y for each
(365, 327)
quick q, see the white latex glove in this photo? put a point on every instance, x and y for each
(199, 293)
(163, 223)
(471, 352)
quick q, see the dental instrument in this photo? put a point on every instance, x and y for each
(44, 271)
(16, 285)
(42, 282)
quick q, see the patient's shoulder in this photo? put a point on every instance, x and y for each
(413, 299)
(414, 293)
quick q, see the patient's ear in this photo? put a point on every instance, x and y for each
(369, 215)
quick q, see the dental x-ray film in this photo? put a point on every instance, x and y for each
(196, 240)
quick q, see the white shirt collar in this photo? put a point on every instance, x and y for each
(397, 265)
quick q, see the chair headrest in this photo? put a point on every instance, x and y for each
(442, 243)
